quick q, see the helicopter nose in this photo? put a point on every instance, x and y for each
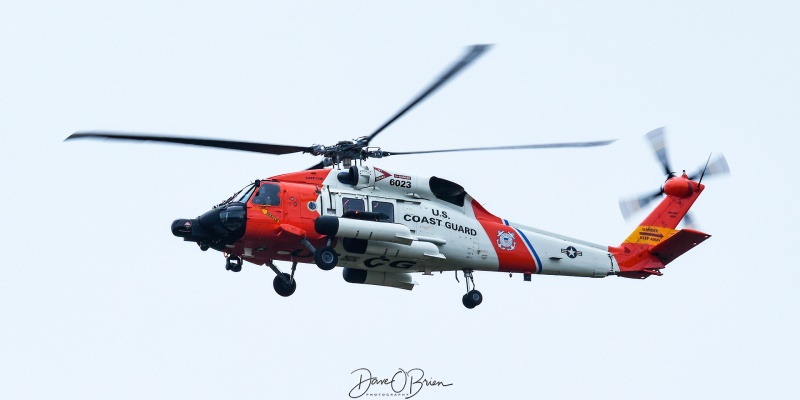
(224, 220)
(182, 227)
(217, 227)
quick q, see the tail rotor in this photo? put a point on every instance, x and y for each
(657, 139)
(716, 167)
(658, 142)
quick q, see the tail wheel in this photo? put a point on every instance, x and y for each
(466, 302)
(326, 258)
(475, 297)
(472, 299)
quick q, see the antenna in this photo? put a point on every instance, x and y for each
(704, 169)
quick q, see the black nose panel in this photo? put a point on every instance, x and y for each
(233, 217)
(182, 227)
(216, 228)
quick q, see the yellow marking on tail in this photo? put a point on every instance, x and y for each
(650, 235)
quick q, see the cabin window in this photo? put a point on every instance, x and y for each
(385, 208)
(350, 204)
(268, 195)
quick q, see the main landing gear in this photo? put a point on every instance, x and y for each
(325, 257)
(284, 284)
(472, 298)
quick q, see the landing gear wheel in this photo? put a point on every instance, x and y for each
(466, 302)
(472, 299)
(475, 297)
(284, 285)
(326, 258)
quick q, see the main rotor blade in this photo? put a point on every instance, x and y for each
(525, 146)
(221, 144)
(718, 166)
(630, 206)
(658, 142)
(473, 53)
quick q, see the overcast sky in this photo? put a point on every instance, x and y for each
(98, 300)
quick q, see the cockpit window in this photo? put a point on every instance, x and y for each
(246, 194)
(268, 195)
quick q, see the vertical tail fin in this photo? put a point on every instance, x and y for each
(656, 242)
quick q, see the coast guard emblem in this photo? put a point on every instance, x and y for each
(505, 240)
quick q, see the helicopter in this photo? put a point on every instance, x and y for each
(383, 226)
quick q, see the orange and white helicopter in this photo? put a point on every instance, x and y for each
(383, 225)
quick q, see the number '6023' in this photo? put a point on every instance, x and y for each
(400, 183)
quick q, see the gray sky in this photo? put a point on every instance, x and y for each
(99, 300)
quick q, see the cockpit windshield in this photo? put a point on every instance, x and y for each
(268, 194)
(242, 195)
(246, 194)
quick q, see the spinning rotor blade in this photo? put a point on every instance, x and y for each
(473, 53)
(221, 144)
(688, 221)
(631, 206)
(658, 142)
(717, 167)
(525, 146)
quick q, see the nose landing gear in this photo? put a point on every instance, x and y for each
(472, 298)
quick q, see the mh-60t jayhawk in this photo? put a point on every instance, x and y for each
(382, 225)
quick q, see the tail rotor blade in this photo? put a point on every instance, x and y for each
(657, 140)
(716, 167)
(688, 221)
(628, 207)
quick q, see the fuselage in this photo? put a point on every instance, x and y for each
(442, 227)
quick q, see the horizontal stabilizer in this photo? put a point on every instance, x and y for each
(679, 243)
